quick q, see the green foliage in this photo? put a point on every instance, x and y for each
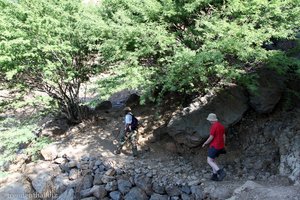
(13, 134)
(196, 45)
(166, 46)
(121, 78)
(47, 45)
(36, 146)
(41, 104)
(16, 135)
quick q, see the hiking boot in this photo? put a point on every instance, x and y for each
(221, 174)
(214, 177)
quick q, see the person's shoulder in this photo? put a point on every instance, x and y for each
(220, 124)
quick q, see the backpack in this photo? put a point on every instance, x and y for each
(134, 123)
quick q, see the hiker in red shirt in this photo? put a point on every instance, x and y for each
(217, 143)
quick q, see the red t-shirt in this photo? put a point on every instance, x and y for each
(217, 130)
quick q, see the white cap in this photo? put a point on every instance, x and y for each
(212, 117)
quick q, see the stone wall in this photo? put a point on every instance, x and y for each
(269, 143)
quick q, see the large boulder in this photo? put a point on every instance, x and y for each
(67, 195)
(17, 188)
(125, 97)
(270, 87)
(99, 191)
(124, 186)
(252, 190)
(289, 149)
(57, 126)
(50, 152)
(144, 182)
(104, 105)
(133, 100)
(136, 193)
(190, 126)
(43, 184)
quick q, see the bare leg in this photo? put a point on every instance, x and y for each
(213, 165)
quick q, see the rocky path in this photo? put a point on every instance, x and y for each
(81, 165)
(159, 170)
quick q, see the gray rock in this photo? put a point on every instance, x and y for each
(111, 186)
(72, 164)
(50, 152)
(173, 190)
(107, 179)
(195, 182)
(74, 174)
(290, 160)
(59, 160)
(101, 168)
(99, 191)
(190, 126)
(84, 166)
(118, 99)
(252, 190)
(64, 168)
(104, 105)
(98, 163)
(186, 189)
(158, 188)
(158, 197)
(86, 172)
(268, 93)
(124, 186)
(115, 195)
(186, 197)
(20, 187)
(136, 193)
(60, 183)
(110, 172)
(144, 182)
(98, 179)
(87, 182)
(133, 100)
(197, 192)
(86, 193)
(221, 193)
(67, 195)
(42, 183)
(90, 198)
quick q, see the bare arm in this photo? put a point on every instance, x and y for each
(224, 139)
(208, 140)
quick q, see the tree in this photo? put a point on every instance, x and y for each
(51, 46)
(198, 44)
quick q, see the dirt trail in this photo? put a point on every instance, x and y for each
(99, 137)
(158, 154)
(160, 158)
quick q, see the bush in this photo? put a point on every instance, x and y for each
(14, 137)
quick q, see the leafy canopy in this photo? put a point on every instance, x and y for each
(178, 46)
(51, 46)
(195, 45)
